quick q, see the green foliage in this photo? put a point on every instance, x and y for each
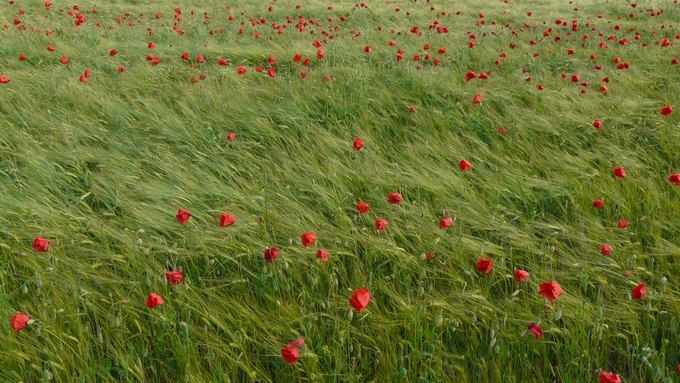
(100, 170)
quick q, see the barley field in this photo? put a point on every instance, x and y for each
(313, 191)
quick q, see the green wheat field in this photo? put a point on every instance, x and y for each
(99, 151)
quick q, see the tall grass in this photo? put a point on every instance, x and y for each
(100, 170)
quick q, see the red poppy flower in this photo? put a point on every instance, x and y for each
(358, 144)
(380, 224)
(174, 277)
(536, 330)
(155, 61)
(598, 204)
(394, 198)
(64, 60)
(367, 49)
(271, 254)
(597, 124)
(152, 45)
(183, 215)
(231, 137)
(226, 219)
(50, 48)
(22, 58)
(271, 60)
(83, 79)
(241, 70)
(640, 291)
(445, 222)
(477, 99)
(484, 265)
(619, 172)
(271, 72)
(4, 79)
(359, 300)
(41, 245)
(222, 62)
(667, 110)
(19, 321)
(429, 256)
(153, 300)
(441, 51)
(363, 207)
(199, 59)
(609, 378)
(185, 56)
(521, 275)
(550, 290)
(606, 249)
(290, 353)
(464, 165)
(121, 69)
(316, 44)
(308, 239)
(575, 78)
(623, 224)
(470, 75)
(322, 255)
(320, 54)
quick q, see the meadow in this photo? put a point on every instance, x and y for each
(105, 151)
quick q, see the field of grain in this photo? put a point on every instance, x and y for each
(140, 139)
